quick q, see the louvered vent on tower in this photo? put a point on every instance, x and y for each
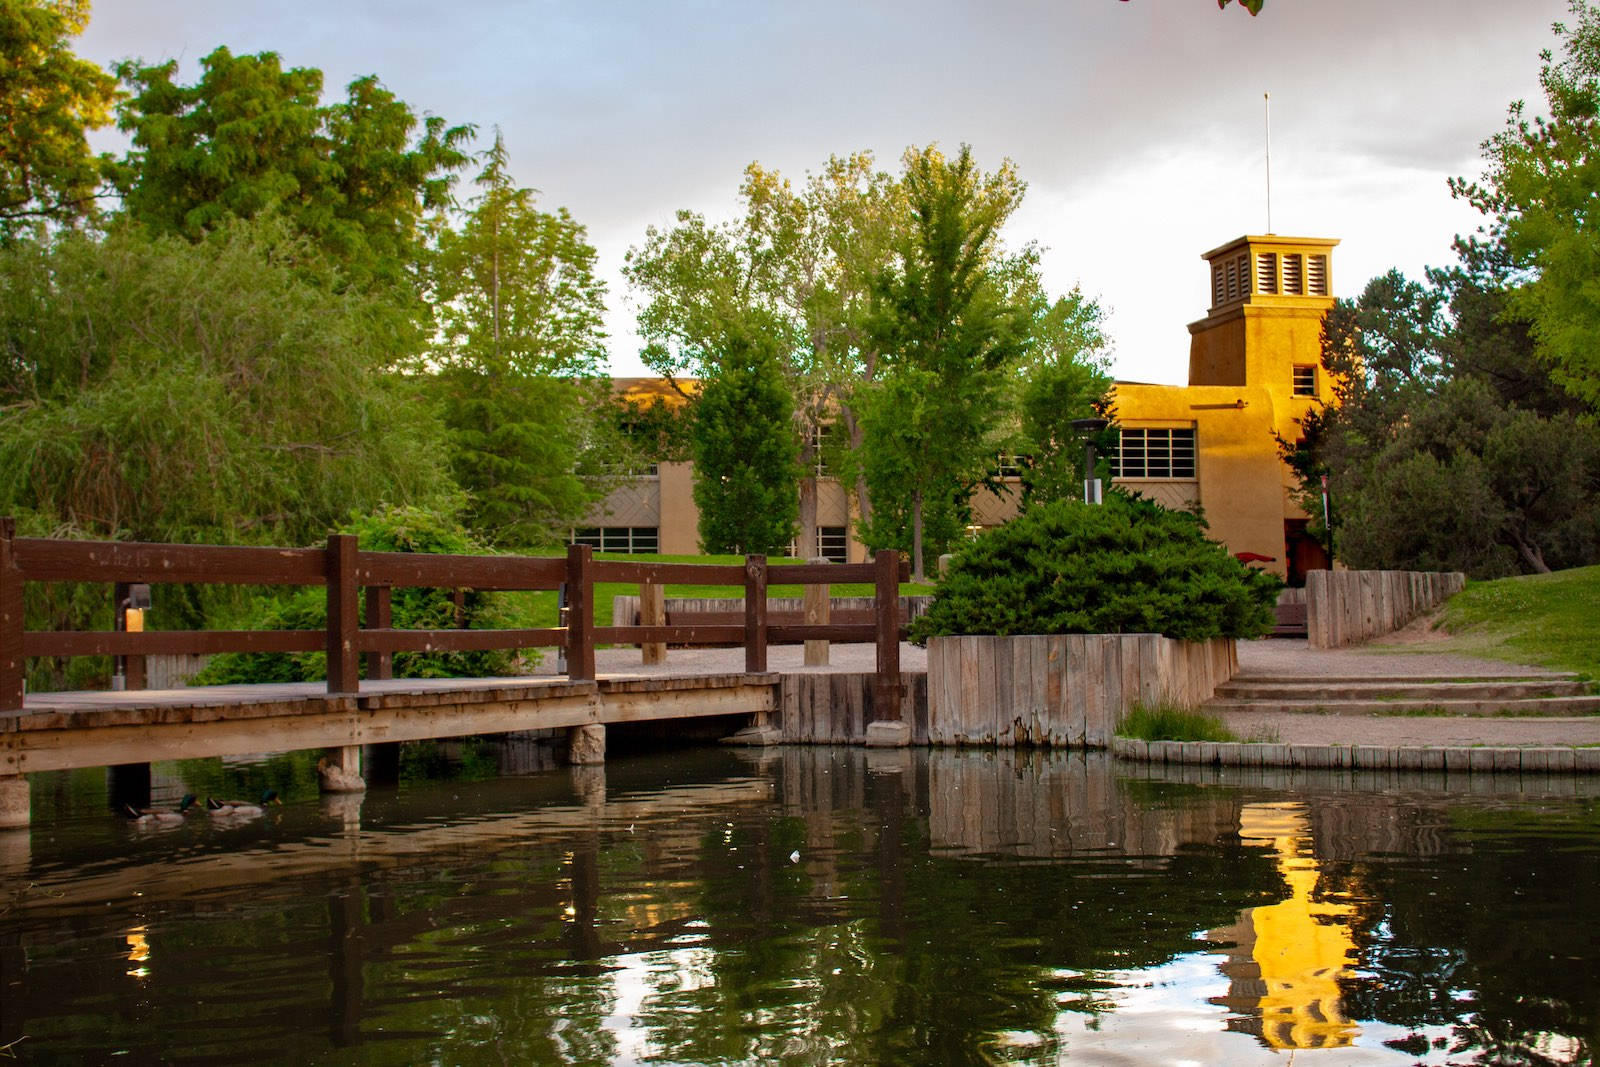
(1293, 274)
(1267, 272)
(1317, 275)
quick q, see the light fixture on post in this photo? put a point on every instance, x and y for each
(1091, 484)
(133, 600)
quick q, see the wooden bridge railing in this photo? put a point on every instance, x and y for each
(352, 576)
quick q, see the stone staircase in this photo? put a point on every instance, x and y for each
(1530, 695)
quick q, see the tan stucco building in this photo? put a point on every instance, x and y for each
(1254, 369)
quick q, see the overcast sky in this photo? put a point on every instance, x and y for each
(1138, 125)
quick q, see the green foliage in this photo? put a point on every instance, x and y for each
(1128, 566)
(516, 363)
(1167, 723)
(251, 137)
(655, 431)
(392, 529)
(1538, 188)
(948, 326)
(49, 98)
(1449, 447)
(747, 476)
(214, 392)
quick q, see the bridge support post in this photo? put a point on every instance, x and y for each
(586, 744)
(755, 614)
(12, 665)
(580, 613)
(652, 612)
(818, 610)
(887, 730)
(13, 802)
(339, 770)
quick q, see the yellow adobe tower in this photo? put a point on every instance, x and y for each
(1254, 369)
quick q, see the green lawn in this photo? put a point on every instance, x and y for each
(1552, 620)
(539, 609)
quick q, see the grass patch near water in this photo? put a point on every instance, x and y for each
(1167, 723)
(1552, 620)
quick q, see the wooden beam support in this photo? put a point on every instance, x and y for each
(886, 603)
(380, 616)
(12, 663)
(755, 613)
(580, 612)
(652, 612)
(344, 617)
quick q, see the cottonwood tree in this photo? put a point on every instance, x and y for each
(518, 361)
(49, 98)
(795, 267)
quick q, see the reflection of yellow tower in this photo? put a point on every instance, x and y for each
(1290, 955)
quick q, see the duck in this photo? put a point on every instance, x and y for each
(240, 809)
(160, 816)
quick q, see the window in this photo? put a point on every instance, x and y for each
(1294, 274)
(819, 449)
(1155, 453)
(1267, 272)
(1009, 465)
(1317, 275)
(617, 538)
(834, 543)
(1305, 379)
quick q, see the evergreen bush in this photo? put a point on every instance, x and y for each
(1127, 566)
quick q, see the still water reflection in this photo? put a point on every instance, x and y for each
(808, 906)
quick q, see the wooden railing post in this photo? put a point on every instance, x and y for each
(344, 616)
(886, 608)
(379, 617)
(12, 663)
(580, 612)
(818, 610)
(652, 612)
(131, 668)
(755, 613)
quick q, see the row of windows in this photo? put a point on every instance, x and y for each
(618, 538)
(1154, 453)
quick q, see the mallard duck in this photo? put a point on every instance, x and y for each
(160, 816)
(240, 809)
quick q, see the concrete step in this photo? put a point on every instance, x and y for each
(1414, 689)
(1432, 705)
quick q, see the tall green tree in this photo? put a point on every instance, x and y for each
(356, 175)
(518, 360)
(49, 98)
(1541, 178)
(745, 460)
(949, 327)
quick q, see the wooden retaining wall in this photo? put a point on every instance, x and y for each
(1348, 607)
(1066, 690)
(823, 708)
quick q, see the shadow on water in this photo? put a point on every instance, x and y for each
(807, 904)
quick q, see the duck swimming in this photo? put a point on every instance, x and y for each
(160, 816)
(240, 809)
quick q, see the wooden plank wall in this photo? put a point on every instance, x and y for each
(1348, 607)
(1065, 690)
(826, 708)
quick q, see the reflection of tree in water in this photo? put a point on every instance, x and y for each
(1470, 942)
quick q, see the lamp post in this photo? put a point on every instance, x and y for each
(1091, 484)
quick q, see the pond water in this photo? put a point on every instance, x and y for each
(806, 905)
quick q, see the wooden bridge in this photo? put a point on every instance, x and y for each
(48, 731)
